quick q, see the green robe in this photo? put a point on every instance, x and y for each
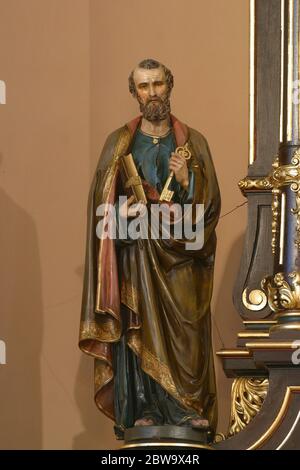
(152, 296)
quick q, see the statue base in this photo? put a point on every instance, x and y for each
(167, 437)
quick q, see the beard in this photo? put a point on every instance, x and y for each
(156, 110)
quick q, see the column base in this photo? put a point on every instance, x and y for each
(286, 320)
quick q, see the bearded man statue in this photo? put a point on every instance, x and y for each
(146, 303)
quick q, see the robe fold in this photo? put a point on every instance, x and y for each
(165, 288)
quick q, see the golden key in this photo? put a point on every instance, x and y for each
(167, 194)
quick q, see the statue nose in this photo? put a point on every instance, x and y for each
(152, 90)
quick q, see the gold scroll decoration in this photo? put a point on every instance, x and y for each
(257, 300)
(283, 295)
(257, 184)
(286, 175)
(266, 184)
(247, 397)
(281, 175)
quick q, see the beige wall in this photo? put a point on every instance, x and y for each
(44, 147)
(66, 63)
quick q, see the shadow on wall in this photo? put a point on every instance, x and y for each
(21, 315)
(98, 429)
(226, 325)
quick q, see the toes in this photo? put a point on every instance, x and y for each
(144, 422)
(200, 422)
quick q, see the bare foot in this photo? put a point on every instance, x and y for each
(199, 422)
(144, 422)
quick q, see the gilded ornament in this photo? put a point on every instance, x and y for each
(257, 300)
(281, 294)
(258, 184)
(247, 397)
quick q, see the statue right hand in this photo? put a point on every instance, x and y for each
(129, 209)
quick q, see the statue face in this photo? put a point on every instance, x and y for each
(152, 93)
(150, 84)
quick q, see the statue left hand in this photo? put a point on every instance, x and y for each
(178, 164)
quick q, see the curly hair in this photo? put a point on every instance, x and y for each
(151, 64)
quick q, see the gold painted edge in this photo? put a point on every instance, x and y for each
(280, 326)
(282, 68)
(233, 353)
(277, 421)
(252, 85)
(253, 334)
(282, 228)
(167, 444)
(289, 129)
(279, 345)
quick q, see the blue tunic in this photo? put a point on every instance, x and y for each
(151, 156)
